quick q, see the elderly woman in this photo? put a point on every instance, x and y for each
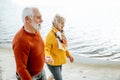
(56, 48)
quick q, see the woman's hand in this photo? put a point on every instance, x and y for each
(71, 59)
(49, 60)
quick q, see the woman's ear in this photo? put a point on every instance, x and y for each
(53, 24)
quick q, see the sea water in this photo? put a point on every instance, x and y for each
(91, 32)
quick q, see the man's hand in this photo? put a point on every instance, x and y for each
(49, 60)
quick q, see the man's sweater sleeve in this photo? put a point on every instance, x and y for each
(21, 51)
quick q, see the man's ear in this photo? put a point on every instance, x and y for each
(27, 19)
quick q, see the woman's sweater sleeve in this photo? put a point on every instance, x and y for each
(68, 53)
(48, 45)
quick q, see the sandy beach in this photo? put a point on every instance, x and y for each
(78, 70)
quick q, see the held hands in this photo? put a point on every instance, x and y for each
(49, 60)
(71, 59)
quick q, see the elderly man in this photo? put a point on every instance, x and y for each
(28, 47)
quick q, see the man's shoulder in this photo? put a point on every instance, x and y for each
(20, 41)
(19, 36)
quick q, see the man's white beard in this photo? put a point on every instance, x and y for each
(36, 26)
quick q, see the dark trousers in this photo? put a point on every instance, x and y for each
(56, 71)
(40, 76)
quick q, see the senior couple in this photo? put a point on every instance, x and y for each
(31, 52)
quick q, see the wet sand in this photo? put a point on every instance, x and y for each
(0, 74)
(78, 70)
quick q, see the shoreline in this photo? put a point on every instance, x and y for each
(93, 61)
(77, 70)
(83, 59)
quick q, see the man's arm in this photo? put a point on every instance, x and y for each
(21, 51)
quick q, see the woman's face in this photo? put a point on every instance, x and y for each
(60, 26)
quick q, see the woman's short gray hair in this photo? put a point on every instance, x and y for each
(28, 11)
(58, 20)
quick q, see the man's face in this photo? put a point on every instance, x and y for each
(36, 20)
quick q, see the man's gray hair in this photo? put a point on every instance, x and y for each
(58, 19)
(28, 11)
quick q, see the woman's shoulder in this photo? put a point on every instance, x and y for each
(50, 34)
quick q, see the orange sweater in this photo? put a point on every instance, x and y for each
(29, 54)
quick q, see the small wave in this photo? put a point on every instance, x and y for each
(5, 42)
(116, 58)
(97, 51)
(101, 56)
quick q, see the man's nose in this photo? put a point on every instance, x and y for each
(41, 20)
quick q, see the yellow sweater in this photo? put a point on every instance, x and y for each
(52, 50)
